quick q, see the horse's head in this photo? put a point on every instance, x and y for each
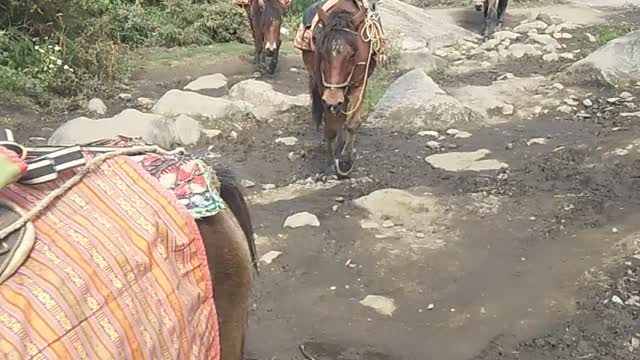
(269, 15)
(336, 53)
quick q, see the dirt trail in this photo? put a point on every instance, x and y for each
(494, 259)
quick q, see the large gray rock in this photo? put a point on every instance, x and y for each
(207, 82)
(419, 33)
(617, 63)
(415, 102)
(265, 102)
(177, 102)
(152, 128)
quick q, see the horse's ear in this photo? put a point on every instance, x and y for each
(323, 16)
(359, 17)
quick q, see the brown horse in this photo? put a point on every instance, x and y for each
(229, 242)
(337, 79)
(265, 18)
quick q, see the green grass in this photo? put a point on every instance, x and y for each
(606, 33)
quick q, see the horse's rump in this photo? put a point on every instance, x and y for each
(304, 36)
(118, 270)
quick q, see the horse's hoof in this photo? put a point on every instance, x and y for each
(257, 74)
(343, 168)
(478, 7)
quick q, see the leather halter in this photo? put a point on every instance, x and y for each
(345, 83)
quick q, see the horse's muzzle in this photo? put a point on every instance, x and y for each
(269, 52)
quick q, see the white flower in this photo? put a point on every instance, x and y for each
(59, 62)
(51, 66)
(57, 48)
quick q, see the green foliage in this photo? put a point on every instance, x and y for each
(75, 46)
(606, 33)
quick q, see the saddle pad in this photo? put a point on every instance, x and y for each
(118, 271)
(189, 178)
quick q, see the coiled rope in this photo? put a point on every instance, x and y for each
(373, 34)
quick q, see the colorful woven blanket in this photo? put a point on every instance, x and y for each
(187, 176)
(118, 271)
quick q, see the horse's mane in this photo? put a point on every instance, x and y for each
(273, 10)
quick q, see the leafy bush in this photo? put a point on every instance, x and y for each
(75, 46)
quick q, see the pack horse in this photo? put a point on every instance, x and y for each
(265, 19)
(120, 250)
(340, 42)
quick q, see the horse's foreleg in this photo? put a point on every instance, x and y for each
(502, 9)
(230, 266)
(344, 161)
(331, 130)
(274, 59)
(486, 20)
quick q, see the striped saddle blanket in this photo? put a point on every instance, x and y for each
(118, 270)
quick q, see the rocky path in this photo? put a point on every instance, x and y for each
(496, 189)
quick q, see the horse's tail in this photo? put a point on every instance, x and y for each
(231, 193)
(317, 109)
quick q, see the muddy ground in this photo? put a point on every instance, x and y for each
(518, 264)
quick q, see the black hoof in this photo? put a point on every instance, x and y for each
(343, 168)
(478, 7)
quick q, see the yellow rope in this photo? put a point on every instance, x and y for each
(373, 34)
(92, 164)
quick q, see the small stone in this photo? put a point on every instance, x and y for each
(247, 183)
(431, 133)
(633, 114)
(614, 230)
(507, 109)
(270, 256)
(613, 100)
(558, 86)
(387, 224)
(145, 102)
(527, 27)
(571, 102)
(294, 70)
(268, 186)
(560, 35)
(233, 136)
(565, 109)
(506, 76)
(551, 57)
(433, 145)
(332, 288)
(97, 106)
(452, 132)
(339, 199)
(381, 304)
(616, 299)
(462, 135)
(334, 208)
(508, 146)
(420, 235)
(567, 56)
(506, 35)
(537, 141)
(635, 343)
(368, 224)
(545, 18)
(583, 115)
(634, 300)
(587, 103)
(431, 307)
(287, 141)
(590, 37)
(211, 133)
(625, 95)
(124, 97)
(301, 219)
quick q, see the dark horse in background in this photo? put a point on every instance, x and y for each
(338, 68)
(493, 10)
(265, 18)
